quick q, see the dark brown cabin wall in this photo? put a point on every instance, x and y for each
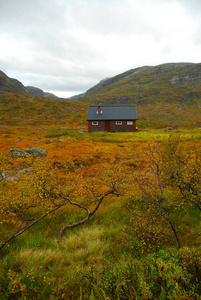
(99, 127)
(122, 128)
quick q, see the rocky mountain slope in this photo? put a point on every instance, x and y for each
(167, 95)
(8, 84)
(38, 92)
(12, 85)
(177, 82)
(108, 81)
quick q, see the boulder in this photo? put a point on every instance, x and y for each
(169, 128)
(35, 151)
(17, 153)
(31, 151)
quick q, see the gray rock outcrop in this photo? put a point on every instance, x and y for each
(30, 151)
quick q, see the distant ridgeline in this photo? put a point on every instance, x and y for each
(173, 82)
(8, 84)
(168, 95)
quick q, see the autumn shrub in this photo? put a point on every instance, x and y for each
(56, 132)
(183, 172)
(168, 202)
(168, 272)
(141, 124)
(45, 274)
(162, 275)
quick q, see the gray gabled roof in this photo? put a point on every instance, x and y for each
(113, 112)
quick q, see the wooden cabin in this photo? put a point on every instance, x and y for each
(114, 118)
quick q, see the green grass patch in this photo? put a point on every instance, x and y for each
(148, 135)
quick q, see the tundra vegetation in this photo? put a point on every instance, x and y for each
(102, 215)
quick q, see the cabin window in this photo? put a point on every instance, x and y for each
(129, 123)
(118, 123)
(94, 123)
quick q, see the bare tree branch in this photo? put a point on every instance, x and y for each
(52, 195)
(89, 214)
(20, 231)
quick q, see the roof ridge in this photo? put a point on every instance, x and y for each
(119, 105)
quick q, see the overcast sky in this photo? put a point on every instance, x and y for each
(67, 46)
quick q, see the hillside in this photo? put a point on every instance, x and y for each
(173, 82)
(165, 95)
(18, 109)
(12, 85)
(108, 81)
(38, 92)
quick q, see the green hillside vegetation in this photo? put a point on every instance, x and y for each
(170, 93)
(18, 109)
(167, 95)
(168, 82)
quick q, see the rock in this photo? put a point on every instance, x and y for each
(38, 92)
(77, 164)
(17, 153)
(38, 152)
(64, 167)
(39, 138)
(33, 151)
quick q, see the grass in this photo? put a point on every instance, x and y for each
(83, 248)
(92, 245)
(54, 132)
(49, 266)
(148, 135)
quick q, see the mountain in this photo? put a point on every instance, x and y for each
(8, 84)
(167, 95)
(26, 109)
(38, 92)
(177, 82)
(108, 81)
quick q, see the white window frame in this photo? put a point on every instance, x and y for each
(95, 123)
(129, 123)
(118, 123)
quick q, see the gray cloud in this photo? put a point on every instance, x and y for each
(61, 45)
(193, 6)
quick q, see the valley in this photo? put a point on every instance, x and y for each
(103, 215)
